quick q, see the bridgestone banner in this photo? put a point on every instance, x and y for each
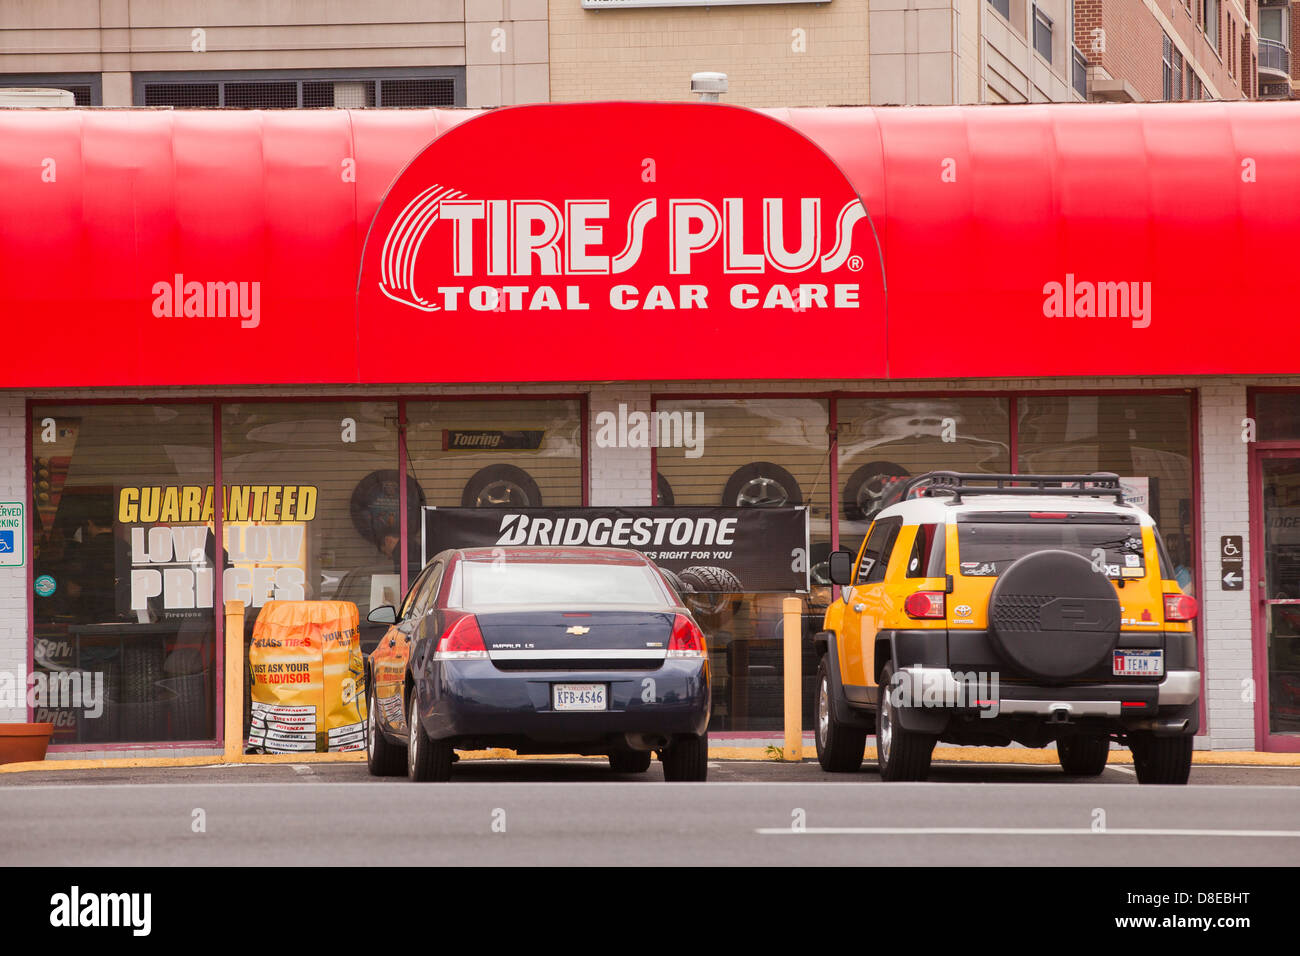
(704, 549)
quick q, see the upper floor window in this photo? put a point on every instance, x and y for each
(1003, 7)
(1043, 34)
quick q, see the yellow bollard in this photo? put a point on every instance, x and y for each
(792, 613)
(234, 723)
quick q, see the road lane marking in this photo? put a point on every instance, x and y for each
(1128, 770)
(1018, 831)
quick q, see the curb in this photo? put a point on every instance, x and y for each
(993, 755)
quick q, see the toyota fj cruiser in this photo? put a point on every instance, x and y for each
(987, 609)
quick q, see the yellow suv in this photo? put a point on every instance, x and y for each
(987, 609)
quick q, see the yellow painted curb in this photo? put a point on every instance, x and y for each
(998, 755)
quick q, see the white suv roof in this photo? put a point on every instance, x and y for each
(940, 509)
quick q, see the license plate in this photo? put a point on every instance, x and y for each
(1151, 663)
(579, 697)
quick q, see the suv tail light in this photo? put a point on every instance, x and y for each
(1180, 607)
(924, 604)
(687, 639)
(463, 641)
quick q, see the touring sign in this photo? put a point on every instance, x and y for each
(560, 229)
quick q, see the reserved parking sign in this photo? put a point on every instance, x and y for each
(13, 546)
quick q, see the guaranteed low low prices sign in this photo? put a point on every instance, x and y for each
(708, 549)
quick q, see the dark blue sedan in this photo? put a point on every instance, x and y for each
(541, 651)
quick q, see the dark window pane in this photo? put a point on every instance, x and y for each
(181, 94)
(433, 91)
(1277, 416)
(262, 96)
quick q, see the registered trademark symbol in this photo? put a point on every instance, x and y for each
(855, 263)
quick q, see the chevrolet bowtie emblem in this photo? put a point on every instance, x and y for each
(577, 629)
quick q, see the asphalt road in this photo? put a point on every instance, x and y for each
(574, 813)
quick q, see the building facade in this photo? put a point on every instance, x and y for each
(169, 444)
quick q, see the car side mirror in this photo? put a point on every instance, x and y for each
(384, 614)
(841, 567)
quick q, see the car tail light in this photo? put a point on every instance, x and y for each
(687, 639)
(1049, 514)
(1180, 607)
(924, 604)
(463, 641)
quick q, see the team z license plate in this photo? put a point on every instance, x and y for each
(579, 697)
(1141, 663)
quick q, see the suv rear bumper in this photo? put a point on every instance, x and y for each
(936, 695)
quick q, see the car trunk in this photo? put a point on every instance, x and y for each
(576, 639)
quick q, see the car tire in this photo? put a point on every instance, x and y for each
(865, 491)
(383, 757)
(900, 754)
(839, 748)
(426, 759)
(1084, 755)
(501, 486)
(761, 484)
(630, 761)
(1161, 760)
(687, 759)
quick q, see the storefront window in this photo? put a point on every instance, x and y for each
(1145, 439)
(883, 441)
(753, 453)
(123, 570)
(1281, 527)
(494, 454)
(1277, 416)
(312, 512)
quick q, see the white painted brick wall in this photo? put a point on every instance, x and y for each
(622, 476)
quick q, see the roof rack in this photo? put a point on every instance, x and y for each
(1099, 484)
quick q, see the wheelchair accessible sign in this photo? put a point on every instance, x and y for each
(13, 548)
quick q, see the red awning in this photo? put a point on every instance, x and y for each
(1016, 241)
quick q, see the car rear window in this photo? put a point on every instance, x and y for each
(487, 584)
(986, 548)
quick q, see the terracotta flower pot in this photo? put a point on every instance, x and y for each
(22, 742)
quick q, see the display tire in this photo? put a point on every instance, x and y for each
(663, 491)
(761, 484)
(865, 480)
(711, 593)
(487, 486)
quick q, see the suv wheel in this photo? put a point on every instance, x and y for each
(901, 754)
(425, 759)
(1084, 755)
(839, 748)
(1161, 759)
(383, 757)
(686, 759)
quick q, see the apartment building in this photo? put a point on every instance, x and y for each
(278, 53)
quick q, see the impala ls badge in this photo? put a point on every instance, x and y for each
(578, 629)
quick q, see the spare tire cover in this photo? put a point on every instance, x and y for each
(1052, 616)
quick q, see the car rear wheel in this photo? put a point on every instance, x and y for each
(1084, 755)
(900, 753)
(686, 759)
(383, 757)
(1166, 760)
(425, 759)
(839, 747)
(630, 761)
